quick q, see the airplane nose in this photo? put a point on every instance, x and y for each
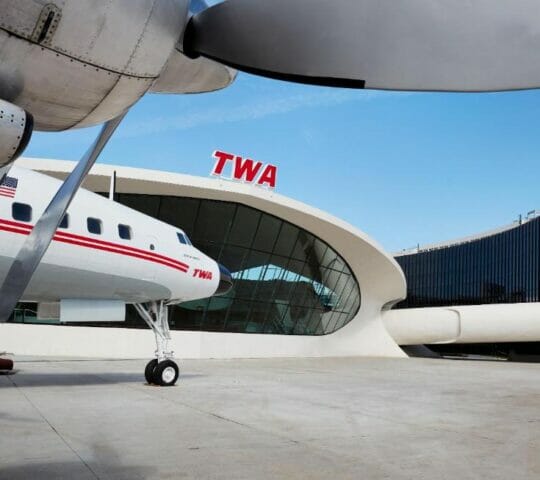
(225, 281)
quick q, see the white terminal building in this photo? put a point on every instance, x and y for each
(306, 284)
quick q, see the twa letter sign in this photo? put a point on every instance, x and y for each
(245, 170)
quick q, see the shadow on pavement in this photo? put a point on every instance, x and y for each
(59, 379)
(74, 470)
(104, 462)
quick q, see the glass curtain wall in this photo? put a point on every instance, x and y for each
(501, 268)
(286, 281)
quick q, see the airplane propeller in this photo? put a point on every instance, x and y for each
(434, 45)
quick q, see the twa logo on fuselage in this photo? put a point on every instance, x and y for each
(202, 274)
(245, 169)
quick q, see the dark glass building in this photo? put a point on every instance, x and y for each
(503, 267)
(286, 281)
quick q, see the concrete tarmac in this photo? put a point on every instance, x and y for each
(325, 419)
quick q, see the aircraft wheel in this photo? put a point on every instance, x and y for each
(166, 373)
(149, 371)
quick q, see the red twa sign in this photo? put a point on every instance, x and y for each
(245, 169)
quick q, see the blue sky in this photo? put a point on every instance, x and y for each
(406, 168)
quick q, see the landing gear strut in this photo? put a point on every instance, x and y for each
(162, 370)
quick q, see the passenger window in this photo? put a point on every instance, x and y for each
(181, 238)
(21, 212)
(94, 225)
(65, 221)
(124, 231)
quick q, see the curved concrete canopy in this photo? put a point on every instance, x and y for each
(380, 278)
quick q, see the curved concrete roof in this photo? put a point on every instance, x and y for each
(381, 280)
(468, 239)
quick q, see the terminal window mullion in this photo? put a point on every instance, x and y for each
(227, 234)
(254, 292)
(272, 252)
(235, 299)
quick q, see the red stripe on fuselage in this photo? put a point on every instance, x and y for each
(61, 233)
(122, 252)
(16, 224)
(14, 230)
(79, 240)
(123, 247)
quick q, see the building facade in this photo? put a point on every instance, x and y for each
(286, 280)
(498, 267)
(305, 283)
(489, 282)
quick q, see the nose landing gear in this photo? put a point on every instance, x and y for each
(164, 374)
(162, 370)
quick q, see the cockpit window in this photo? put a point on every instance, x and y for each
(182, 238)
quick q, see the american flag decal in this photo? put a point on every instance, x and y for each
(8, 186)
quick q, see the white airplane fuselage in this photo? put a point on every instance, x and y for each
(152, 265)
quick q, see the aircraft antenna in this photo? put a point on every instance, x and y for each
(112, 186)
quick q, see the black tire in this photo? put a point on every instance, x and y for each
(149, 371)
(166, 373)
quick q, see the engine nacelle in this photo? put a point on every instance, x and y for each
(16, 126)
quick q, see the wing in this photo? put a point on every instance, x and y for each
(451, 45)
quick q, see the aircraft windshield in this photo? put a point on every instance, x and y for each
(183, 238)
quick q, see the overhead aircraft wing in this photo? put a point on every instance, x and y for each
(448, 45)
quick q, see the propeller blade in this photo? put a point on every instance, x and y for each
(36, 244)
(435, 45)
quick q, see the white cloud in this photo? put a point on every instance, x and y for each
(253, 110)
